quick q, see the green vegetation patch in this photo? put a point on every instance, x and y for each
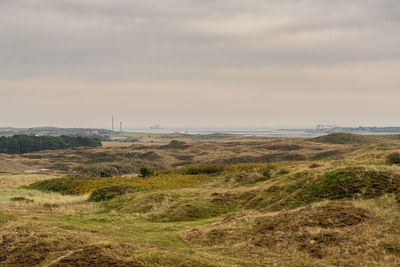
(19, 144)
(393, 158)
(203, 169)
(107, 193)
(23, 199)
(146, 172)
(346, 184)
(176, 144)
(107, 169)
(83, 185)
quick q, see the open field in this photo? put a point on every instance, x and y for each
(212, 201)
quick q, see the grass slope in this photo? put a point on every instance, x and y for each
(336, 211)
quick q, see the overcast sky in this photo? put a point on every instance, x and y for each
(199, 62)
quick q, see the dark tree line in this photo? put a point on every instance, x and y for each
(19, 144)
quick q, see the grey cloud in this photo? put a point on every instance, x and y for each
(299, 46)
(197, 32)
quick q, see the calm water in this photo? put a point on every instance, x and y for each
(267, 132)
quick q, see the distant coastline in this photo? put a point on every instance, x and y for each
(256, 131)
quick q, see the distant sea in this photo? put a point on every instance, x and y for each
(267, 132)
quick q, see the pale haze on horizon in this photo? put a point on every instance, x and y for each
(213, 63)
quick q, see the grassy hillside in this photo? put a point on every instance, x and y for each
(330, 209)
(345, 138)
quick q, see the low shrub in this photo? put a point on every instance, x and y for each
(27, 200)
(176, 144)
(107, 193)
(203, 169)
(106, 169)
(314, 165)
(146, 172)
(393, 158)
(267, 173)
(283, 172)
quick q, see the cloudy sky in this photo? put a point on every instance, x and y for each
(199, 62)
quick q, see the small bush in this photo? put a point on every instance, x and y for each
(267, 174)
(176, 143)
(314, 165)
(394, 158)
(107, 193)
(203, 169)
(283, 172)
(27, 200)
(146, 172)
(106, 169)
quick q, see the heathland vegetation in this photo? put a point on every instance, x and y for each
(205, 201)
(19, 144)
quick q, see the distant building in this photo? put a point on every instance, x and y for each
(326, 127)
(156, 126)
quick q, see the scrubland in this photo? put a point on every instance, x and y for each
(212, 201)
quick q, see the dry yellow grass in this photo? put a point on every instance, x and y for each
(17, 180)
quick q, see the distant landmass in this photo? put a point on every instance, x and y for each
(103, 134)
(5, 131)
(359, 130)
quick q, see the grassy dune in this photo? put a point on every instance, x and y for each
(340, 210)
